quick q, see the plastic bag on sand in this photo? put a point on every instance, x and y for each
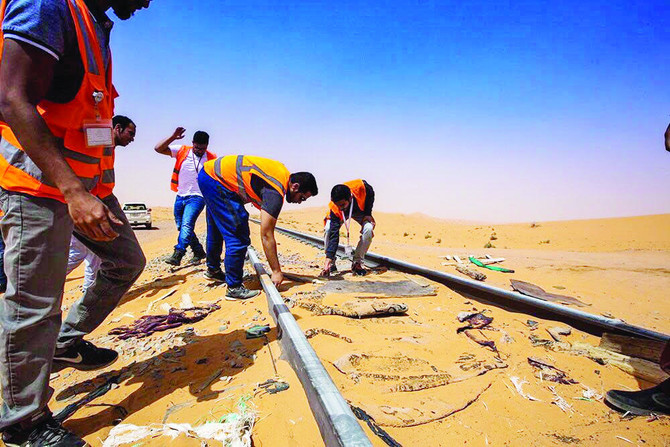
(233, 430)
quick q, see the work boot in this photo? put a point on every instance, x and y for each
(653, 400)
(241, 293)
(358, 270)
(215, 275)
(175, 259)
(84, 356)
(198, 256)
(46, 433)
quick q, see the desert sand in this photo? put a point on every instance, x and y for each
(423, 382)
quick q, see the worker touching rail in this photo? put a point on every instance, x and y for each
(227, 184)
(349, 200)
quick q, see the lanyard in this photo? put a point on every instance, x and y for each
(197, 165)
(347, 221)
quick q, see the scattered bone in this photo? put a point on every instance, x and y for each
(518, 384)
(560, 402)
(151, 304)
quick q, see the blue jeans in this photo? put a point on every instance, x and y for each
(186, 212)
(228, 221)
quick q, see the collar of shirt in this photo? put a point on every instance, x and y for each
(100, 16)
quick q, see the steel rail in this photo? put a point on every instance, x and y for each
(336, 421)
(505, 297)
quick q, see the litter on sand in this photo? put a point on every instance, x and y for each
(380, 288)
(529, 289)
(257, 331)
(549, 372)
(273, 386)
(479, 263)
(148, 324)
(476, 320)
(518, 384)
(376, 429)
(233, 430)
(471, 273)
(357, 309)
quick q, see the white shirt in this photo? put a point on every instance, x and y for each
(188, 173)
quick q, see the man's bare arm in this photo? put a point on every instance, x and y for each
(25, 76)
(163, 147)
(268, 224)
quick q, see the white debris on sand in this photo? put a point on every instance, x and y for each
(234, 431)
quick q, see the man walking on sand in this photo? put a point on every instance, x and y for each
(349, 200)
(189, 202)
(123, 134)
(227, 184)
(57, 173)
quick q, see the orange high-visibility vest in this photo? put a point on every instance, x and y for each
(235, 171)
(18, 172)
(357, 188)
(181, 156)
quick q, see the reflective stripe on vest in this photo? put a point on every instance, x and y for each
(17, 171)
(239, 180)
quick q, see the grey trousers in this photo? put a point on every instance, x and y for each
(363, 243)
(37, 233)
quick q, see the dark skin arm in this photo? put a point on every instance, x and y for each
(163, 147)
(268, 224)
(25, 76)
(667, 138)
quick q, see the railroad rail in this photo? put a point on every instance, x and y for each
(582, 320)
(336, 421)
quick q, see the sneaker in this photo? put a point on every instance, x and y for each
(175, 259)
(198, 256)
(215, 275)
(241, 293)
(84, 356)
(653, 400)
(358, 270)
(47, 433)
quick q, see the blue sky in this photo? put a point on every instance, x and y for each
(488, 111)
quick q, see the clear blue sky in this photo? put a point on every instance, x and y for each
(494, 111)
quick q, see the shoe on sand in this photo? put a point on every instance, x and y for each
(653, 400)
(241, 293)
(215, 275)
(46, 433)
(84, 356)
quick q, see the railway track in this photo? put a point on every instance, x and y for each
(592, 323)
(336, 421)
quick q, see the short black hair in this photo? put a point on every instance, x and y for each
(340, 192)
(201, 137)
(121, 120)
(306, 181)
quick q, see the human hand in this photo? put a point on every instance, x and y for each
(326, 268)
(92, 217)
(277, 278)
(178, 133)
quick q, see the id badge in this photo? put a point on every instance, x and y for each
(348, 251)
(99, 133)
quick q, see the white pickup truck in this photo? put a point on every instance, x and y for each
(138, 214)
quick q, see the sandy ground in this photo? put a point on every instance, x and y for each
(422, 381)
